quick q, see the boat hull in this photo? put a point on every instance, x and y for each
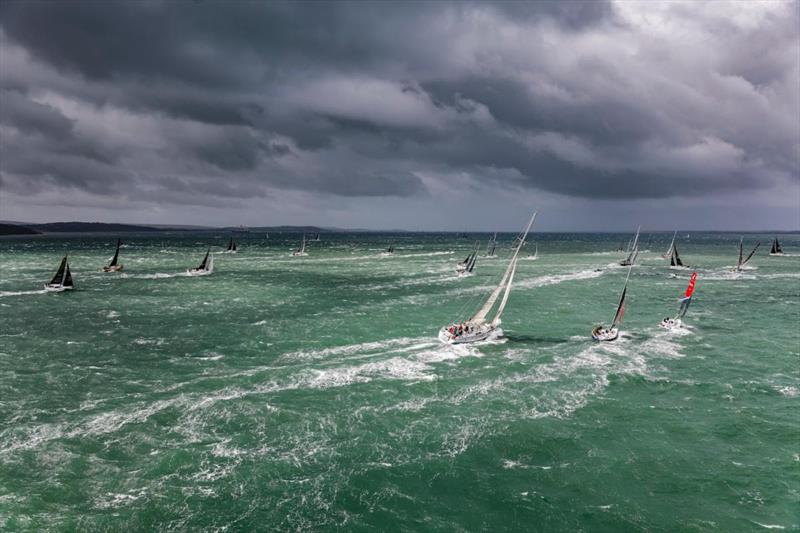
(57, 288)
(604, 335)
(778, 254)
(299, 254)
(671, 323)
(480, 334)
(116, 268)
(198, 272)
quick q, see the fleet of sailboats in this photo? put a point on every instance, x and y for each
(477, 327)
(206, 266)
(62, 280)
(677, 322)
(114, 265)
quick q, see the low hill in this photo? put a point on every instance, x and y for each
(13, 229)
(89, 227)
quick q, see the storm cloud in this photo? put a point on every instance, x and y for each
(217, 104)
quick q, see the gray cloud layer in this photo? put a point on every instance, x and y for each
(202, 103)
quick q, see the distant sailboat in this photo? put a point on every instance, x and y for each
(114, 265)
(535, 255)
(62, 280)
(742, 262)
(301, 252)
(633, 250)
(668, 253)
(675, 259)
(491, 246)
(477, 328)
(676, 322)
(465, 267)
(776, 248)
(205, 268)
(601, 333)
(231, 247)
(389, 251)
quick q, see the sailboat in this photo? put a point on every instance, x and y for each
(491, 246)
(776, 248)
(600, 333)
(477, 328)
(535, 255)
(316, 239)
(633, 250)
(670, 323)
(62, 281)
(205, 268)
(114, 265)
(231, 247)
(742, 262)
(467, 264)
(675, 259)
(668, 253)
(389, 251)
(301, 252)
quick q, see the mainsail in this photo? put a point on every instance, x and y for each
(231, 246)
(687, 298)
(776, 247)
(115, 260)
(204, 264)
(505, 282)
(68, 278)
(675, 259)
(742, 262)
(621, 307)
(58, 279)
(671, 244)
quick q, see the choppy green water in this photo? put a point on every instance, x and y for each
(311, 394)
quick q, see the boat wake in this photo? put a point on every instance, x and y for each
(21, 293)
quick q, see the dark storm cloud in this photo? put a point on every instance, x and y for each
(205, 100)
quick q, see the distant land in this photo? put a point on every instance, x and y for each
(13, 229)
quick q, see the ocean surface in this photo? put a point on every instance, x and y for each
(311, 394)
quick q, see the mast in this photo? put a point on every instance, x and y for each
(58, 278)
(621, 307)
(480, 316)
(751, 253)
(114, 261)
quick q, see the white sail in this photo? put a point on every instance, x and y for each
(502, 305)
(480, 316)
(671, 244)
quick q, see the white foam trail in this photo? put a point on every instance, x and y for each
(542, 281)
(21, 293)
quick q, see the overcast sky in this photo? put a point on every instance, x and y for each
(402, 115)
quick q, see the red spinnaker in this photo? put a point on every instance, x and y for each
(690, 288)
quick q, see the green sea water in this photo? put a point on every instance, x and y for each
(311, 394)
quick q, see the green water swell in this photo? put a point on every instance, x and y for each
(311, 393)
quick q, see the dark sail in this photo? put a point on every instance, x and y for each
(230, 245)
(472, 263)
(59, 277)
(776, 247)
(675, 259)
(234, 247)
(741, 245)
(114, 261)
(68, 278)
(205, 262)
(751, 253)
(684, 307)
(620, 308)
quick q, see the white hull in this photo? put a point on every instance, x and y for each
(117, 268)
(57, 288)
(602, 334)
(386, 254)
(476, 335)
(670, 323)
(779, 254)
(197, 272)
(299, 254)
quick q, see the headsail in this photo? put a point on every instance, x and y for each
(115, 260)
(58, 279)
(502, 305)
(621, 307)
(675, 259)
(687, 298)
(480, 316)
